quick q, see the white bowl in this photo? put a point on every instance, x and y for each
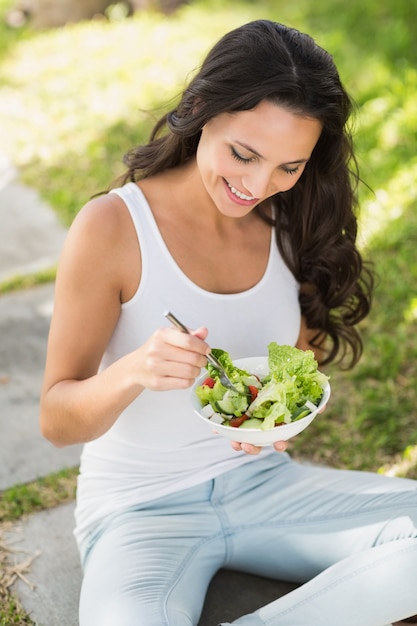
(256, 436)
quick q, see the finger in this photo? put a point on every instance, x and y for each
(188, 342)
(249, 448)
(201, 333)
(281, 446)
(173, 363)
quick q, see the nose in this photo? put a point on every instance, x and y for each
(262, 184)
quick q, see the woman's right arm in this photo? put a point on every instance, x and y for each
(78, 403)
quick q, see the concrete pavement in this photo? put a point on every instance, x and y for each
(24, 323)
(31, 238)
(52, 586)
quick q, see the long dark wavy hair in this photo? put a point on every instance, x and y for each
(315, 221)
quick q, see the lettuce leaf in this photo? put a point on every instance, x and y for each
(233, 372)
(290, 364)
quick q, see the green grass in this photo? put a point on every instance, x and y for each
(73, 100)
(37, 495)
(371, 419)
(12, 614)
(25, 281)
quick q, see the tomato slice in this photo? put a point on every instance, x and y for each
(209, 382)
(235, 422)
(253, 392)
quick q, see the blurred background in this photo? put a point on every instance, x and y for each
(83, 81)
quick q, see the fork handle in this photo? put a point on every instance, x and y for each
(210, 357)
(171, 317)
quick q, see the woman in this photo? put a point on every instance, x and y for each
(239, 216)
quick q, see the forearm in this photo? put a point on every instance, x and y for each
(77, 410)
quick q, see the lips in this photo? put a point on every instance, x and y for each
(239, 194)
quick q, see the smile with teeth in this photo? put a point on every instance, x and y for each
(239, 194)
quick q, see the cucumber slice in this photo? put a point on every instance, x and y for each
(225, 406)
(232, 404)
(253, 422)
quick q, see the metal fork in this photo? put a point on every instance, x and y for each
(224, 379)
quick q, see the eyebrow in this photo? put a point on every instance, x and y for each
(247, 147)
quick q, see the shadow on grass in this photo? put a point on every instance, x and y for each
(372, 415)
(384, 29)
(389, 366)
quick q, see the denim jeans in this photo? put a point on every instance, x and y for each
(349, 536)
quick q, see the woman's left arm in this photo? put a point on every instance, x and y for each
(305, 338)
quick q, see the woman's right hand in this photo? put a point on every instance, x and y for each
(82, 410)
(171, 359)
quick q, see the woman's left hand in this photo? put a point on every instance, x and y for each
(249, 448)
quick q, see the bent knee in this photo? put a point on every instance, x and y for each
(397, 528)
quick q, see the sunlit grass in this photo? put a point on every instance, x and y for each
(69, 94)
(63, 88)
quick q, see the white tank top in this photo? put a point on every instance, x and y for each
(158, 445)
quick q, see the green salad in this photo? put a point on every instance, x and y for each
(291, 390)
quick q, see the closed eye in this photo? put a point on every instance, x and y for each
(291, 170)
(240, 158)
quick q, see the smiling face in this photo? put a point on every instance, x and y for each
(248, 156)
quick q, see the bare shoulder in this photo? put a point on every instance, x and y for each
(96, 273)
(102, 237)
(103, 217)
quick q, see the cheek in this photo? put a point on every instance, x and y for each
(292, 180)
(292, 183)
(212, 162)
(220, 162)
(286, 185)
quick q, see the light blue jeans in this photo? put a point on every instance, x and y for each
(349, 536)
